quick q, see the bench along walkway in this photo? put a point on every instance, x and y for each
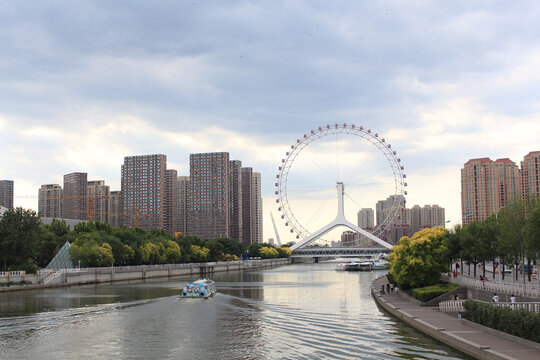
(462, 335)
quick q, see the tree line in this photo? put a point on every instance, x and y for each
(510, 237)
(27, 244)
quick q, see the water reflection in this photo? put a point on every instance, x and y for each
(301, 311)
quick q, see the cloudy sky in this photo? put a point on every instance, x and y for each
(85, 83)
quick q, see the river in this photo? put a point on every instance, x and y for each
(298, 311)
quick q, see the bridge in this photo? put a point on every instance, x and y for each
(343, 251)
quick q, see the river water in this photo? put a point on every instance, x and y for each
(299, 311)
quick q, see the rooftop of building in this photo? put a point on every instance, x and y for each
(533, 153)
(481, 160)
(505, 160)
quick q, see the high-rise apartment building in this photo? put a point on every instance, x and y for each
(224, 200)
(235, 193)
(424, 217)
(146, 199)
(257, 208)
(486, 186)
(182, 203)
(6, 193)
(75, 197)
(98, 201)
(392, 229)
(169, 205)
(50, 201)
(115, 208)
(366, 218)
(247, 206)
(209, 205)
(530, 174)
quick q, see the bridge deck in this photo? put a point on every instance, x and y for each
(338, 251)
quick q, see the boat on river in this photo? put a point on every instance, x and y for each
(202, 288)
(355, 266)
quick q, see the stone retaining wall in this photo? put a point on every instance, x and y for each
(107, 274)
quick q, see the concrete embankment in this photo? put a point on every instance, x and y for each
(68, 277)
(473, 340)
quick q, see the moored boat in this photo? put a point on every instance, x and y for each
(202, 288)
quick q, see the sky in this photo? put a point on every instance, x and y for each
(85, 83)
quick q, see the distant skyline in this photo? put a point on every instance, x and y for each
(84, 84)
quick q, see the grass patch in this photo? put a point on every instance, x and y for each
(431, 292)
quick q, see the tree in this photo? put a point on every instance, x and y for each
(199, 254)
(284, 252)
(419, 261)
(268, 252)
(469, 241)
(172, 252)
(19, 236)
(512, 241)
(216, 250)
(231, 246)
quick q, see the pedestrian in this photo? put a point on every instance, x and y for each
(392, 287)
(382, 289)
(495, 298)
(512, 299)
(396, 289)
(388, 288)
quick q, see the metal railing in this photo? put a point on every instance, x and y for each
(497, 287)
(528, 306)
(457, 306)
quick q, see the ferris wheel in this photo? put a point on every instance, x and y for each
(372, 160)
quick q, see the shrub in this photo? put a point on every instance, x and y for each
(431, 292)
(28, 268)
(520, 323)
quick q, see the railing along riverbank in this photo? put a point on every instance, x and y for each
(67, 277)
(457, 306)
(526, 289)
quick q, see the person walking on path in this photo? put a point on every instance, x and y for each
(388, 288)
(513, 299)
(495, 298)
(396, 289)
(392, 287)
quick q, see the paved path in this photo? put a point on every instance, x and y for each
(448, 329)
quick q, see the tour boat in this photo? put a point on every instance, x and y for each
(202, 288)
(355, 266)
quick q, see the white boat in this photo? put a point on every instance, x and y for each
(381, 265)
(355, 266)
(202, 288)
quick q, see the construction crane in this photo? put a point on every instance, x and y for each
(275, 230)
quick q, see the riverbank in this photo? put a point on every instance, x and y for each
(69, 277)
(464, 336)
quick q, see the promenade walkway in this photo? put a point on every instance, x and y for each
(462, 335)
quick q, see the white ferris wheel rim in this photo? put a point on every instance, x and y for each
(394, 162)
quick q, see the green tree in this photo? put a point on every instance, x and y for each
(199, 254)
(512, 239)
(284, 252)
(419, 261)
(268, 252)
(231, 246)
(172, 252)
(19, 236)
(470, 243)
